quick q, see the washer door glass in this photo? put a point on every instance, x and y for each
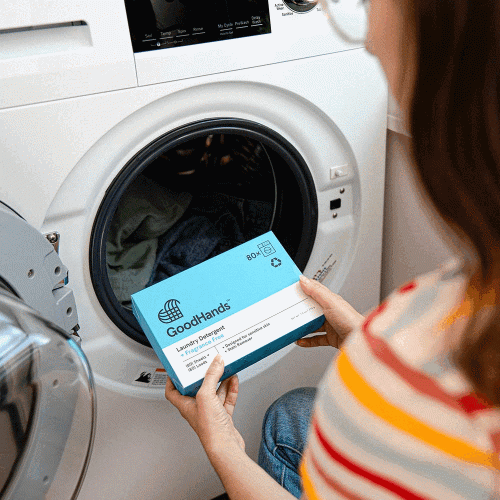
(192, 194)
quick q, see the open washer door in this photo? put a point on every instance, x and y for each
(47, 397)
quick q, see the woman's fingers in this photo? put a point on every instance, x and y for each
(210, 412)
(316, 341)
(212, 377)
(231, 394)
(340, 315)
(182, 403)
(320, 293)
(228, 393)
(222, 390)
(171, 393)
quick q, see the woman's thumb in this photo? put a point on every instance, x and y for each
(213, 375)
(316, 290)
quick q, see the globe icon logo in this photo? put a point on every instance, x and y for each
(170, 311)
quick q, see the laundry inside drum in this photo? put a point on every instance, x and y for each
(190, 203)
(190, 195)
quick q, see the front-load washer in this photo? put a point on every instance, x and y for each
(151, 135)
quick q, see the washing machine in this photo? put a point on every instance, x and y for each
(144, 136)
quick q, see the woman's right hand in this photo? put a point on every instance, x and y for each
(341, 317)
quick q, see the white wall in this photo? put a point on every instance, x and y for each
(412, 244)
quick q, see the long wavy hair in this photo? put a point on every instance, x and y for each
(454, 120)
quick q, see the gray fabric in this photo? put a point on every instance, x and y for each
(146, 211)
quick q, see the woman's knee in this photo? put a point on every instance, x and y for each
(293, 402)
(287, 419)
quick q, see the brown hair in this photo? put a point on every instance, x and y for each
(454, 121)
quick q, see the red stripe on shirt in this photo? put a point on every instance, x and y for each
(472, 403)
(334, 485)
(408, 287)
(361, 471)
(376, 312)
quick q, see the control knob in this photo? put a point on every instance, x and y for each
(301, 6)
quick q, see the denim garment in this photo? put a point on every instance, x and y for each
(284, 435)
(188, 243)
(238, 219)
(214, 223)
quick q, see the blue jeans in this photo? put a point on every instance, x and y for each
(284, 436)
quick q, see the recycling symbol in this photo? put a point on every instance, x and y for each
(275, 262)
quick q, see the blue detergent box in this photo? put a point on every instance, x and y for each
(244, 304)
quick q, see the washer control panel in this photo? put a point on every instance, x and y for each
(161, 24)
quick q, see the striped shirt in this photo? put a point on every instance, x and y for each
(394, 417)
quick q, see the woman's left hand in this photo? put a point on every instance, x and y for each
(210, 412)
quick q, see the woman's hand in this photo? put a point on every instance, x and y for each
(210, 415)
(210, 412)
(341, 317)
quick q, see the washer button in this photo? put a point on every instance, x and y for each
(339, 171)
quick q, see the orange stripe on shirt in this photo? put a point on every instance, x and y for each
(405, 422)
(307, 484)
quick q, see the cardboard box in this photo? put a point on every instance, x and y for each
(243, 304)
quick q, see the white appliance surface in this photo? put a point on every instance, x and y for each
(78, 105)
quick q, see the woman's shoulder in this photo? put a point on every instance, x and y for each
(410, 334)
(413, 322)
(421, 300)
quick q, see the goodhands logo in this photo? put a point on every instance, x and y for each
(170, 311)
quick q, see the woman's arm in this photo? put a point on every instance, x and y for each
(210, 412)
(243, 479)
(210, 415)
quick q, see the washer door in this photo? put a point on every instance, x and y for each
(191, 194)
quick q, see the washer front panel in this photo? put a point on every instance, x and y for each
(67, 153)
(74, 216)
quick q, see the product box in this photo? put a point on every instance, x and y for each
(243, 304)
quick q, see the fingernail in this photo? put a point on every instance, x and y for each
(300, 342)
(218, 359)
(304, 279)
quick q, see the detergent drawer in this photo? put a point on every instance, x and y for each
(59, 49)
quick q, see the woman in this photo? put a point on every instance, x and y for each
(409, 408)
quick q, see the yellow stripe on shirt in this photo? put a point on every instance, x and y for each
(401, 420)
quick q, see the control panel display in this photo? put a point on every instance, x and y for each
(161, 24)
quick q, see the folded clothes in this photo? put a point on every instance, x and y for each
(146, 211)
(214, 223)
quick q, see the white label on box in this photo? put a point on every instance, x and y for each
(242, 333)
